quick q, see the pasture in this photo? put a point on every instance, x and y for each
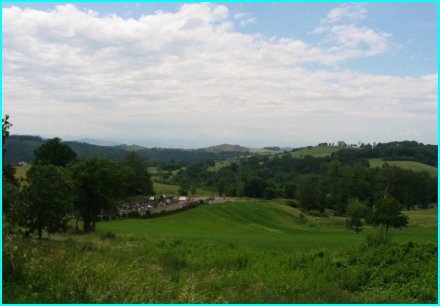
(266, 225)
(242, 252)
(315, 151)
(410, 165)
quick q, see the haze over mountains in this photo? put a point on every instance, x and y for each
(21, 148)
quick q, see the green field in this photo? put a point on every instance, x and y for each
(410, 165)
(266, 225)
(242, 252)
(315, 151)
(170, 189)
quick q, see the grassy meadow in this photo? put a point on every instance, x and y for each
(240, 252)
(315, 151)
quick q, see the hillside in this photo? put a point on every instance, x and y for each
(410, 165)
(315, 151)
(21, 148)
(226, 148)
(269, 225)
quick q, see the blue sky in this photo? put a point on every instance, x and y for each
(248, 73)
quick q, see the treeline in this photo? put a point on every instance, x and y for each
(21, 148)
(397, 150)
(59, 187)
(315, 183)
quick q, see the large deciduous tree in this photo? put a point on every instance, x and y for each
(138, 181)
(99, 183)
(46, 201)
(387, 212)
(53, 152)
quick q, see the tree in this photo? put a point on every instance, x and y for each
(46, 200)
(98, 184)
(255, 187)
(270, 193)
(53, 152)
(387, 212)
(6, 125)
(307, 194)
(9, 182)
(138, 180)
(290, 190)
(356, 211)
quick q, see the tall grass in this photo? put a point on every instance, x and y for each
(88, 269)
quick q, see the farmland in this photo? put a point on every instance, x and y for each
(242, 252)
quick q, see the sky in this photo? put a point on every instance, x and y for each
(200, 74)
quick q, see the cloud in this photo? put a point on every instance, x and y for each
(189, 76)
(353, 12)
(245, 19)
(341, 30)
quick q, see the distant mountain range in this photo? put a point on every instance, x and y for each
(21, 148)
(97, 142)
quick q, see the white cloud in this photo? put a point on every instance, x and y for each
(340, 29)
(352, 12)
(190, 77)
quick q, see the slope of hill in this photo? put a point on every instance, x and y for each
(133, 147)
(21, 148)
(226, 148)
(260, 224)
(315, 151)
(411, 165)
(97, 142)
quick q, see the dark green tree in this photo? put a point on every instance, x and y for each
(53, 152)
(387, 212)
(9, 182)
(46, 200)
(255, 187)
(290, 190)
(137, 178)
(6, 125)
(307, 194)
(270, 193)
(98, 185)
(356, 211)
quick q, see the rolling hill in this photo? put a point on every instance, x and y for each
(410, 165)
(315, 151)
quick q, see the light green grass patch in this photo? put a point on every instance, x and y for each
(315, 151)
(260, 224)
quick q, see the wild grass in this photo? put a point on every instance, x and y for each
(245, 252)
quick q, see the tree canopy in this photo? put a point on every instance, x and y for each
(98, 185)
(46, 201)
(53, 152)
